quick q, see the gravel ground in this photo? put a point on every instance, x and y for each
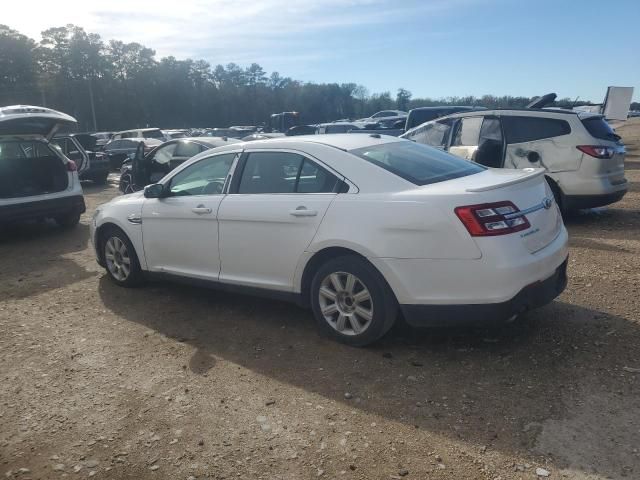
(179, 382)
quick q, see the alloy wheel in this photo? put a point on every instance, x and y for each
(117, 258)
(346, 303)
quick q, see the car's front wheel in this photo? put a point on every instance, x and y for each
(120, 258)
(352, 302)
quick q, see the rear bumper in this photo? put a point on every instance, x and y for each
(577, 202)
(42, 209)
(530, 297)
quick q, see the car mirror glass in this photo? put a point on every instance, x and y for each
(155, 190)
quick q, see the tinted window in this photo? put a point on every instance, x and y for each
(528, 129)
(490, 148)
(599, 128)
(270, 172)
(187, 149)
(467, 132)
(205, 177)
(435, 134)
(338, 128)
(417, 163)
(315, 179)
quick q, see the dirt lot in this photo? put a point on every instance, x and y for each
(178, 382)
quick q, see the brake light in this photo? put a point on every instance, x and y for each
(491, 219)
(71, 166)
(597, 151)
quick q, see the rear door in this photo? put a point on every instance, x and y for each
(538, 142)
(275, 206)
(466, 137)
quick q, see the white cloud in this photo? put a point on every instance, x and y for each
(223, 31)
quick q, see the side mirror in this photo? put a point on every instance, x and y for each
(154, 191)
(533, 157)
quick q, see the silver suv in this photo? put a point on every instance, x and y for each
(582, 155)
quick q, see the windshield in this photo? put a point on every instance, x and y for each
(419, 164)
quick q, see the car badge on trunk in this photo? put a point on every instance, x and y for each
(547, 203)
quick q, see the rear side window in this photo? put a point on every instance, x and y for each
(283, 172)
(187, 149)
(528, 129)
(599, 128)
(467, 132)
(418, 164)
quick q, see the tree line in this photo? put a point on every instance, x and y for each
(115, 85)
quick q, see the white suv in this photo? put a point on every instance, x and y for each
(582, 156)
(36, 179)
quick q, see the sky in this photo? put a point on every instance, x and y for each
(433, 48)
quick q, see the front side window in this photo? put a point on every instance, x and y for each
(206, 177)
(416, 163)
(435, 134)
(529, 129)
(467, 132)
(283, 172)
(163, 154)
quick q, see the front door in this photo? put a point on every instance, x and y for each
(275, 206)
(180, 231)
(466, 137)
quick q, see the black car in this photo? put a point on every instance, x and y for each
(81, 148)
(118, 150)
(142, 169)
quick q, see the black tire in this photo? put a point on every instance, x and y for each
(69, 220)
(558, 197)
(382, 302)
(135, 276)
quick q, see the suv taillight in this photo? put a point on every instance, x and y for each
(71, 166)
(597, 151)
(490, 219)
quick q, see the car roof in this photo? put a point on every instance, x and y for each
(342, 141)
(212, 141)
(137, 130)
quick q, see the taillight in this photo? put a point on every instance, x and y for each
(490, 219)
(71, 166)
(597, 151)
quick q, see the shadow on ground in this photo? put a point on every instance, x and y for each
(35, 257)
(498, 388)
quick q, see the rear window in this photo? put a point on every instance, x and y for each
(418, 164)
(528, 129)
(599, 128)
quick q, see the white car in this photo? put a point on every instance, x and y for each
(583, 157)
(358, 227)
(36, 179)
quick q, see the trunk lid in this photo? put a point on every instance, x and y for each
(528, 190)
(26, 120)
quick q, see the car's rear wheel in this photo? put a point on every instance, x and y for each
(352, 302)
(120, 258)
(68, 220)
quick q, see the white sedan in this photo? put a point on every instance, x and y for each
(359, 227)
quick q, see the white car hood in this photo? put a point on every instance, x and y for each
(27, 120)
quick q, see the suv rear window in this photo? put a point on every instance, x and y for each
(418, 164)
(599, 128)
(528, 129)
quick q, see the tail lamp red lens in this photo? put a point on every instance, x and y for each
(491, 219)
(597, 151)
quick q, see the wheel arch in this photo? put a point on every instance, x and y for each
(99, 238)
(318, 259)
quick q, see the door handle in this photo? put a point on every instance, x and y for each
(201, 210)
(302, 211)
